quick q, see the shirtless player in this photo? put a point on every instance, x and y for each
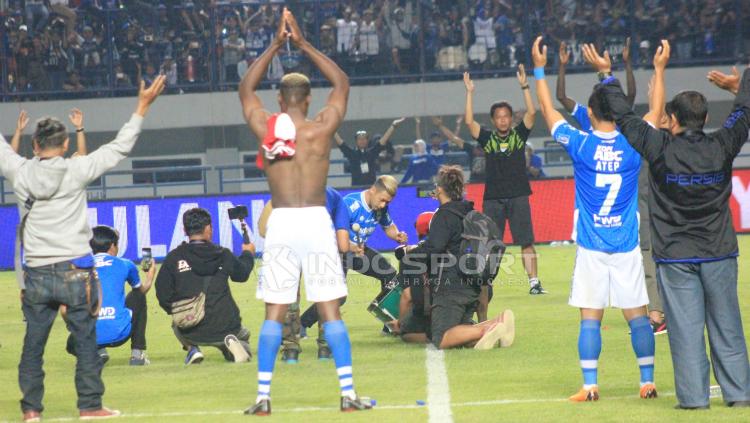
(300, 236)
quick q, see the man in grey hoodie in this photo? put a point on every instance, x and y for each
(58, 269)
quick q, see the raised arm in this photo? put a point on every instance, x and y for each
(23, 121)
(469, 110)
(562, 97)
(539, 57)
(450, 135)
(656, 96)
(252, 107)
(629, 76)
(734, 133)
(335, 109)
(530, 116)
(418, 128)
(645, 139)
(76, 118)
(389, 133)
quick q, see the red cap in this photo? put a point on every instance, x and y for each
(423, 223)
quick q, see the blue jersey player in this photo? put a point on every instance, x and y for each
(609, 268)
(121, 317)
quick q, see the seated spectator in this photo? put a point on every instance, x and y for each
(201, 267)
(422, 166)
(120, 317)
(454, 296)
(534, 163)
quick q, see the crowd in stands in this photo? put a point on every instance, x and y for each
(80, 45)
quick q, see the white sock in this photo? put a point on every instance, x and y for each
(533, 281)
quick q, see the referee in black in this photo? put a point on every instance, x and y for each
(694, 242)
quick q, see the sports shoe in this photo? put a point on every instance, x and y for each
(260, 408)
(32, 416)
(357, 404)
(238, 351)
(290, 356)
(140, 359)
(102, 413)
(536, 289)
(586, 395)
(648, 391)
(103, 356)
(194, 356)
(324, 353)
(659, 328)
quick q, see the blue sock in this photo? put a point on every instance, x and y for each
(589, 348)
(642, 338)
(338, 340)
(269, 342)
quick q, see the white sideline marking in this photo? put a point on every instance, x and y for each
(378, 407)
(438, 391)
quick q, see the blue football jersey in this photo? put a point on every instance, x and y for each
(581, 115)
(337, 209)
(368, 220)
(606, 170)
(113, 324)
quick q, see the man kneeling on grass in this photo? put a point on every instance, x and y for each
(454, 296)
(202, 268)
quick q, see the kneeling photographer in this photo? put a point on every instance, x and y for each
(192, 286)
(454, 295)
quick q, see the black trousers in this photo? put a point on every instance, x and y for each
(372, 264)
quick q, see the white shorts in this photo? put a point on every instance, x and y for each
(300, 241)
(602, 280)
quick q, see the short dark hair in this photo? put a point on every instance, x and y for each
(451, 180)
(294, 88)
(599, 105)
(195, 221)
(500, 105)
(104, 238)
(690, 108)
(50, 133)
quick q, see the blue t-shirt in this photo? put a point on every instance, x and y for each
(368, 219)
(438, 154)
(421, 168)
(606, 170)
(337, 209)
(113, 324)
(536, 161)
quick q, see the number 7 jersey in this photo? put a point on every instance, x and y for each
(606, 169)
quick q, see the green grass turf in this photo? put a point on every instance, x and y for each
(540, 369)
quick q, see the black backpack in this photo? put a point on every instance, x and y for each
(481, 247)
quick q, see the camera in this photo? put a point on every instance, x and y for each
(425, 191)
(237, 213)
(147, 259)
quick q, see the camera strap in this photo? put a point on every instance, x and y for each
(18, 262)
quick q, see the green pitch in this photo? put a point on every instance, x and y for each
(527, 382)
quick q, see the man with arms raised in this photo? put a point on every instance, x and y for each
(300, 236)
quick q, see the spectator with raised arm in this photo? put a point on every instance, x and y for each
(363, 159)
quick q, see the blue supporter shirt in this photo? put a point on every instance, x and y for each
(438, 154)
(113, 324)
(606, 170)
(368, 219)
(421, 168)
(337, 209)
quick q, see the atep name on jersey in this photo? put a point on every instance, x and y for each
(607, 158)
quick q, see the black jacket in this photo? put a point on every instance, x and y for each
(691, 180)
(446, 227)
(359, 157)
(182, 276)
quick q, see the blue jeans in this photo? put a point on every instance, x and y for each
(698, 296)
(48, 287)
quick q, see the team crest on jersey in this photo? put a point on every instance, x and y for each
(503, 147)
(354, 206)
(183, 266)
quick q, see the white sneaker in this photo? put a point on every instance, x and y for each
(235, 347)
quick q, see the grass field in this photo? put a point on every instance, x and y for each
(528, 381)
